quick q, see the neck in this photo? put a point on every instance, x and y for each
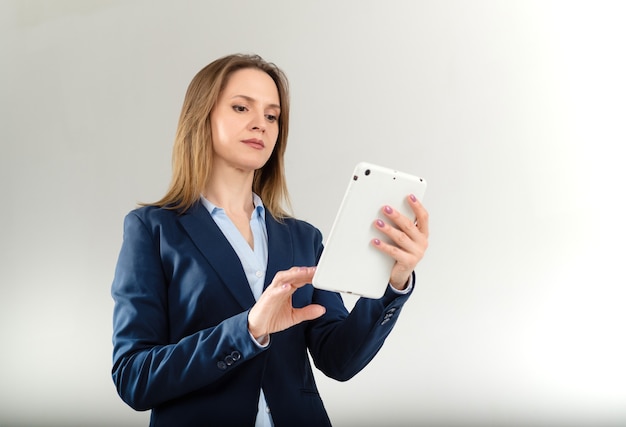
(231, 190)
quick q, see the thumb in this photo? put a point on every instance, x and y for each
(310, 312)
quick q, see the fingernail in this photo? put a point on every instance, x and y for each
(413, 198)
(388, 209)
(377, 242)
(380, 223)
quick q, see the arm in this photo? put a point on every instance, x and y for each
(148, 368)
(341, 344)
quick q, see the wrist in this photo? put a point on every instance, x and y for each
(256, 332)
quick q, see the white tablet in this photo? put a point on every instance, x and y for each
(349, 262)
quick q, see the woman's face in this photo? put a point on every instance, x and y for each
(244, 121)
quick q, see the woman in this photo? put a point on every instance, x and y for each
(214, 312)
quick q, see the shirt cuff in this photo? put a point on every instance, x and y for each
(407, 289)
(262, 342)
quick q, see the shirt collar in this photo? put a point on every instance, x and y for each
(259, 208)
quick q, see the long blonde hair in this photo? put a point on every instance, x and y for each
(193, 146)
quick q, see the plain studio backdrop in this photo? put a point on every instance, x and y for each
(513, 111)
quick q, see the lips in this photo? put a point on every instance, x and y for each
(254, 143)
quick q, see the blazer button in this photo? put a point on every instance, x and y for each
(229, 360)
(221, 365)
(235, 355)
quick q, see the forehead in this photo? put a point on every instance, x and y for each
(252, 83)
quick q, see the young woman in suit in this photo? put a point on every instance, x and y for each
(214, 312)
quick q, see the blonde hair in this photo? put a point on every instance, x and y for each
(193, 146)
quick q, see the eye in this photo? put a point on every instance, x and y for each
(271, 117)
(240, 108)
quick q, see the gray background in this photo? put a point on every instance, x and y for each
(513, 111)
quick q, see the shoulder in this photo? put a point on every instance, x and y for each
(152, 217)
(152, 214)
(298, 228)
(299, 224)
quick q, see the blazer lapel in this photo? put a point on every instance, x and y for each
(279, 248)
(212, 243)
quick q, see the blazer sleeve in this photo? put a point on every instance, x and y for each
(341, 343)
(149, 369)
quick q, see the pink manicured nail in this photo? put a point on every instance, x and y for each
(377, 242)
(388, 209)
(380, 223)
(413, 198)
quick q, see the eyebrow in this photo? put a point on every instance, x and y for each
(250, 99)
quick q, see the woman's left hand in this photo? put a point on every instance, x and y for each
(410, 240)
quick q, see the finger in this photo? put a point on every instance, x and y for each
(407, 259)
(309, 312)
(295, 277)
(402, 223)
(421, 214)
(406, 236)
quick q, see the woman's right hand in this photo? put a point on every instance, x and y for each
(274, 311)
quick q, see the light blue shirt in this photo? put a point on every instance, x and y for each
(254, 262)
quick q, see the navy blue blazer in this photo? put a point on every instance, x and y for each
(181, 345)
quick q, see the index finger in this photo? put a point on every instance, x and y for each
(296, 277)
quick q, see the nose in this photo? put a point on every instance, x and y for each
(258, 123)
